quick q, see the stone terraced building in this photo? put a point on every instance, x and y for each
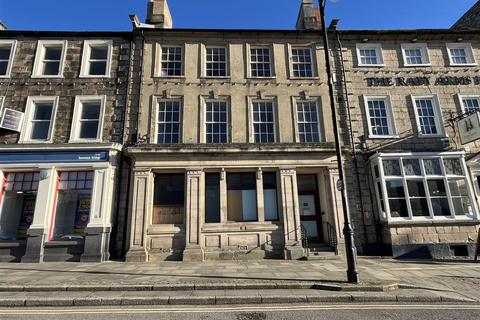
(200, 144)
(63, 98)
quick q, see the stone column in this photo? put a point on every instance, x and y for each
(142, 179)
(223, 196)
(291, 214)
(260, 202)
(38, 231)
(194, 208)
(98, 230)
(335, 205)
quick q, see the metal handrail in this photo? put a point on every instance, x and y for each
(304, 236)
(477, 249)
(332, 237)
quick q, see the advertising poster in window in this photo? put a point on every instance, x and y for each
(26, 218)
(83, 215)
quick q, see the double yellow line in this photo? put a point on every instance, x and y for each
(213, 309)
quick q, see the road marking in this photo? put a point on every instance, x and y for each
(213, 309)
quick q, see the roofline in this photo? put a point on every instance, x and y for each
(128, 34)
(124, 34)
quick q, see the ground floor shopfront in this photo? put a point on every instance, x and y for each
(56, 203)
(427, 203)
(201, 203)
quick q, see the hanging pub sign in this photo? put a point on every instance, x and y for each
(469, 128)
(11, 120)
(422, 81)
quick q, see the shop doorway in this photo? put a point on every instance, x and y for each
(310, 213)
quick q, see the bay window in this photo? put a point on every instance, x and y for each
(241, 197)
(434, 187)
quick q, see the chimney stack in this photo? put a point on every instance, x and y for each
(308, 17)
(158, 14)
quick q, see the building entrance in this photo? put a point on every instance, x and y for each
(310, 213)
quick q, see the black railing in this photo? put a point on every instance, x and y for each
(332, 237)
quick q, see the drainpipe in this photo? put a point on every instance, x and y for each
(352, 140)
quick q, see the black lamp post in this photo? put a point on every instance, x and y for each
(351, 251)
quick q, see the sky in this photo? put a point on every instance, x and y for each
(112, 15)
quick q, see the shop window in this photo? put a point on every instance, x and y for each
(169, 199)
(429, 187)
(19, 196)
(242, 197)
(270, 200)
(212, 197)
(74, 198)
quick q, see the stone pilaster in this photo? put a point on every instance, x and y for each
(194, 218)
(142, 179)
(260, 201)
(291, 214)
(335, 206)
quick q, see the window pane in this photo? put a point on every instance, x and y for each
(97, 68)
(270, 196)
(51, 68)
(53, 53)
(391, 167)
(91, 110)
(440, 207)
(89, 130)
(412, 167)
(432, 166)
(241, 197)
(395, 189)
(99, 53)
(453, 166)
(437, 188)
(416, 188)
(5, 53)
(43, 111)
(462, 206)
(40, 130)
(398, 208)
(168, 199)
(3, 67)
(212, 197)
(419, 207)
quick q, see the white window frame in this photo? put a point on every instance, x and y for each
(313, 57)
(158, 60)
(370, 46)
(469, 54)
(275, 121)
(460, 98)
(13, 44)
(227, 104)
(37, 68)
(156, 108)
(75, 130)
(204, 61)
(29, 111)
(423, 50)
(382, 180)
(248, 54)
(87, 45)
(318, 103)
(438, 116)
(390, 116)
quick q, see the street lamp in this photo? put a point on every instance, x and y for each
(351, 251)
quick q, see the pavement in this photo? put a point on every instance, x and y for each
(236, 282)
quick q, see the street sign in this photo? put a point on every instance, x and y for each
(469, 128)
(12, 120)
